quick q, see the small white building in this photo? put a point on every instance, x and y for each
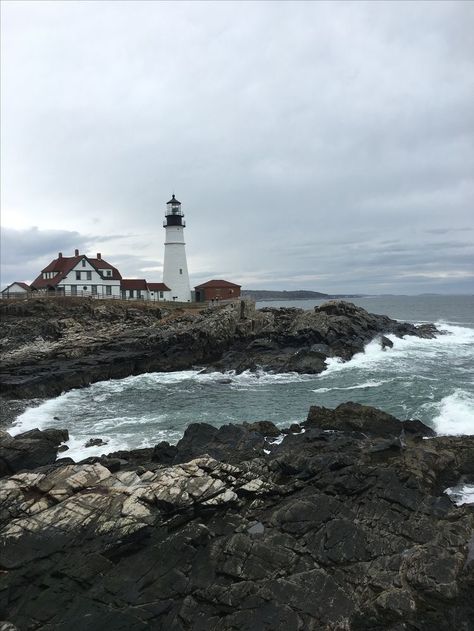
(16, 290)
(140, 289)
(79, 275)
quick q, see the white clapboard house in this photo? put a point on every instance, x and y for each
(82, 275)
(79, 275)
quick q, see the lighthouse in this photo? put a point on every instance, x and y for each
(175, 268)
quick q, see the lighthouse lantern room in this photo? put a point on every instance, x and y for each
(175, 268)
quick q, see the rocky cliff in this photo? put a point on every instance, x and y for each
(342, 526)
(50, 346)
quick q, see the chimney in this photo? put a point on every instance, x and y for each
(99, 255)
(60, 255)
(76, 252)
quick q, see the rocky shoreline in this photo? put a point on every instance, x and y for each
(342, 525)
(48, 347)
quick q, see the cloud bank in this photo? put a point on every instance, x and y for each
(324, 146)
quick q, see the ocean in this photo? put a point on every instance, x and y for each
(431, 380)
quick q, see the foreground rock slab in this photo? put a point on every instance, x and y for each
(342, 526)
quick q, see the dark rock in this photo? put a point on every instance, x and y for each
(230, 443)
(29, 450)
(89, 342)
(56, 436)
(354, 417)
(386, 342)
(334, 529)
(265, 428)
(164, 452)
(304, 361)
(323, 349)
(417, 428)
(95, 442)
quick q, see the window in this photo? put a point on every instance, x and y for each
(85, 288)
(108, 272)
(139, 294)
(124, 294)
(180, 271)
(78, 275)
(108, 290)
(130, 293)
(83, 262)
(161, 294)
(94, 289)
(89, 275)
(73, 290)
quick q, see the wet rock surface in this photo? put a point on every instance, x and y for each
(342, 526)
(50, 346)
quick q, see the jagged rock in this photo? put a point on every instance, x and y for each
(331, 530)
(95, 442)
(265, 428)
(49, 347)
(29, 450)
(362, 418)
(232, 443)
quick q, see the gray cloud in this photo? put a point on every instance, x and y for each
(325, 146)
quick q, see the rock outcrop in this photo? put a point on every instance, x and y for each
(51, 346)
(29, 450)
(342, 526)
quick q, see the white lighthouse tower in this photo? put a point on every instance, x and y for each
(175, 268)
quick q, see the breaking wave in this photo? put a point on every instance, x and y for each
(455, 414)
(461, 494)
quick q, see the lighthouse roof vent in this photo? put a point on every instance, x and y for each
(173, 200)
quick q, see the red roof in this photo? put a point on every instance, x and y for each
(41, 283)
(133, 283)
(158, 287)
(216, 284)
(100, 264)
(16, 282)
(65, 264)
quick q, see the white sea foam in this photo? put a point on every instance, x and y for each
(359, 386)
(456, 338)
(461, 494)
(455, 414)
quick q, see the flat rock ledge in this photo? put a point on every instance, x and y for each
(343, 525)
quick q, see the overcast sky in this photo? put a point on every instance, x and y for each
(314, 145)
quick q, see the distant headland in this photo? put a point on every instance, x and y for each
(298, 294)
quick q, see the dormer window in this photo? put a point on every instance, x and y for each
(83, 262)
(108, 272)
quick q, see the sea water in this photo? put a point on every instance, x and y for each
(431, 380)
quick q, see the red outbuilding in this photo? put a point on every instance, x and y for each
(217, 290)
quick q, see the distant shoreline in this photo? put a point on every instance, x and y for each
(264, 295)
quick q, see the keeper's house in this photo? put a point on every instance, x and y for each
(217, 290)
(79, 275)
(82, 275)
